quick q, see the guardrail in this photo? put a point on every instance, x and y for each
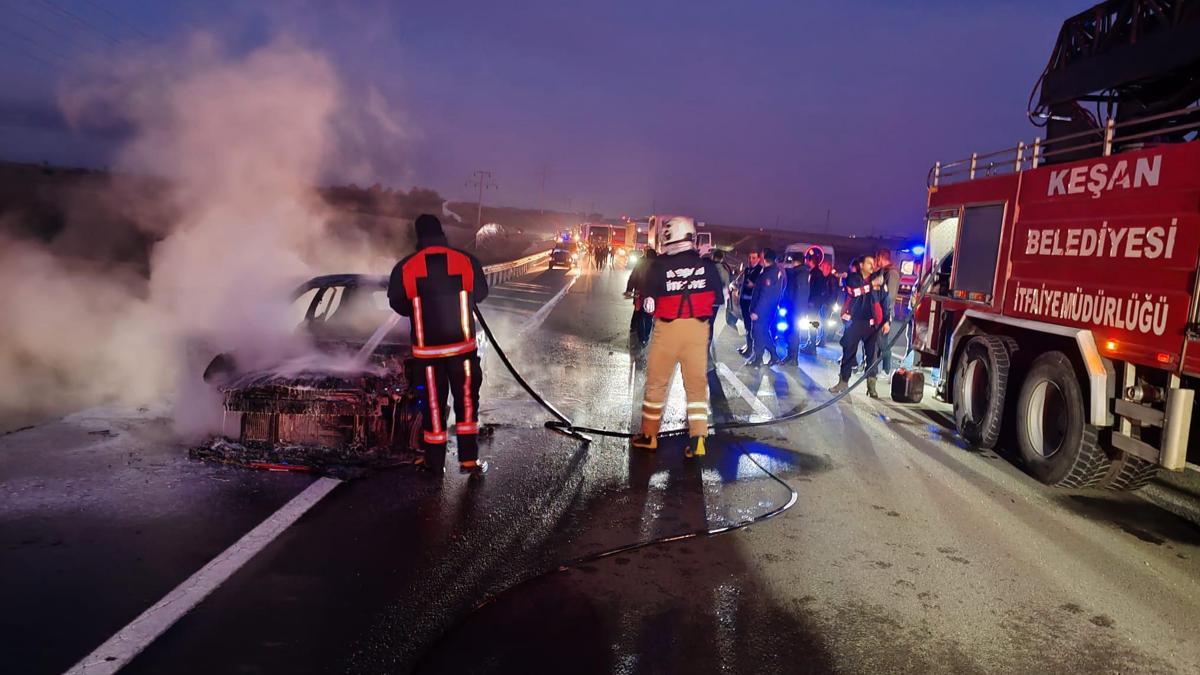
(1110, 138)
(502, 272)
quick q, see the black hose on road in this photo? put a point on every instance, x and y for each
(563, 424)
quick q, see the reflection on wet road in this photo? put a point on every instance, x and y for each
(904, 551)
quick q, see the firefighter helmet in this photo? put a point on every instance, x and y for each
(678, 229)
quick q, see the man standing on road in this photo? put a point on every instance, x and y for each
(716, 325)
(795, 305)
(682, 291)
(748, 277)
(868, 318)
(641, 322)
(764, 308)
(437, 287)
(886, 280)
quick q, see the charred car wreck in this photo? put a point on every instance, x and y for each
(351, 405)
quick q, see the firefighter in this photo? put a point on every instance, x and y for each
(821, 296)
(641, 322)
(748, 276)
(437, 287)
(682, 290)
(868, 318)
(794, 309)
(764, 308)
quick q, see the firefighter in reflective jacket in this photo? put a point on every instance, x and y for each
(437, 287)
(869, 318)
(682, 291)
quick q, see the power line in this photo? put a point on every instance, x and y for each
(79, 20)
(117, 18)
(30, 55)
(33, 43)
(48, 29)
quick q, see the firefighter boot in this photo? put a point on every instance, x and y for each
(840, 387)
(695, 447)
(871, 388)
(645, 442)
(474, 467)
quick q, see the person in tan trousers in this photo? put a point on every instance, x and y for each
(683, 292)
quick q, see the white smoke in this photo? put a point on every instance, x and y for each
(242, 141)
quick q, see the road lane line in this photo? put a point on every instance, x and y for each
(540, 316)
(760, 409)
(121, 648)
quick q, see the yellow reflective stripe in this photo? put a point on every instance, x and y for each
(654, 406)
(698, 417)
(648, 416)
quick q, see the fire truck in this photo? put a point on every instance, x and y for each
(1062, 307)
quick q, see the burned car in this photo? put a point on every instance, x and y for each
(349, 403)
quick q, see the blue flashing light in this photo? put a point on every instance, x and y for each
(783, 311)
(782, 325)
(918, 250)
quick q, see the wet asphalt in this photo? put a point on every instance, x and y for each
(904, 552)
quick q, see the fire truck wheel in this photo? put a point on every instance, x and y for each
(1057, 444)
(980, 383)
(1129, 473)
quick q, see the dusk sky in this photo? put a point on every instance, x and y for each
(735, 112)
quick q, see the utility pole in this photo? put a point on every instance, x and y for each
(483, 181)
(542, 202)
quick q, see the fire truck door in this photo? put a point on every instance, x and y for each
(941, 237)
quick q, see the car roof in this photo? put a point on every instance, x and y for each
(368, 280)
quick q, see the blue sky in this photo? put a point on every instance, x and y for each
(737, 112)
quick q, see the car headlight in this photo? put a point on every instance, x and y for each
(832, 323)
(782, 325)
(836, 306)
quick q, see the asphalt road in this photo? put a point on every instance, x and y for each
(904, 551)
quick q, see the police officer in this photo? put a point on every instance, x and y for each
(764, 308)
(795, 309)
(746, 292)
(437, 287)
(682, 292)
(868, 318)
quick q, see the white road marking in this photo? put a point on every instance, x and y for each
(761, 411)
(540, 316)
(121, 648)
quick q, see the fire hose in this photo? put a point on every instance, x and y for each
(564, 425)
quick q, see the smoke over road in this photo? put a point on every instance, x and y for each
(241, 141)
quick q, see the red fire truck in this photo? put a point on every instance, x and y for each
(1062, 306)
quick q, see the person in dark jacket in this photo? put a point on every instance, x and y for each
(764, 308)
(887, 281)
(747, 279)
(641, 322)
(821, 295)
(795, 306)
(438, 287)
(863, 308)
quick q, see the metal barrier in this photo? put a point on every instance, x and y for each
(502, 272)
(1101, 141)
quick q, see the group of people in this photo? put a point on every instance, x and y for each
(797, 297)
(678, 296)
(798, 293)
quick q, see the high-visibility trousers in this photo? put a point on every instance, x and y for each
(683, 342)
(459, 376)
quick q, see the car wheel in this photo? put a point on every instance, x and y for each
(1057, 444)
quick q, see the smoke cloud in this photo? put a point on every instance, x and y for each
(240, 141)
